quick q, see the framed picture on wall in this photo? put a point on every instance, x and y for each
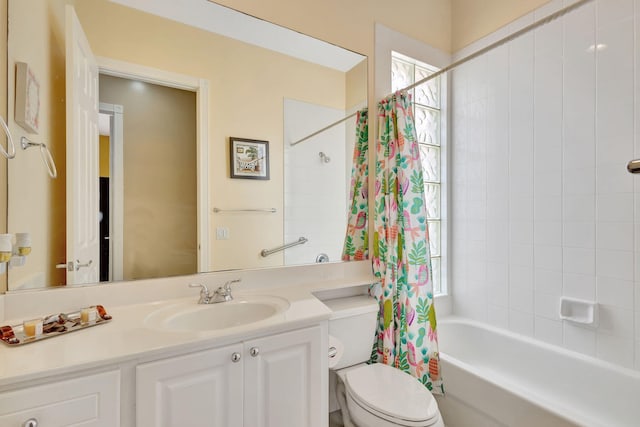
(27, 112)
(249, 158)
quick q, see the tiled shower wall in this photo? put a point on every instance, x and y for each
(542, 205)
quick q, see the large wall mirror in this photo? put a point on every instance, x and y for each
(174, 129)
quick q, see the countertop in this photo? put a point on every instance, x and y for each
(131, 336)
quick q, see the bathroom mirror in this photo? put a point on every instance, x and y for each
(236, 77)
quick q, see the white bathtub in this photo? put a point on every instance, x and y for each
(494, 378)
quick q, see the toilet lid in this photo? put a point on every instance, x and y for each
(391, 392)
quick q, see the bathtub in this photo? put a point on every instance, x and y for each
(497, 378)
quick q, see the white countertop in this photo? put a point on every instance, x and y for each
(129, 336)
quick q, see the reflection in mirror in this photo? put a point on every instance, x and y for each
(160, 184)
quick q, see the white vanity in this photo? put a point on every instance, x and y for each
(151, 367)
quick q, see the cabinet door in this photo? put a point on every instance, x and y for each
(93, 400)
(284, 380)
(199, 389)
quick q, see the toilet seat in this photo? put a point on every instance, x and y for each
(392, 395)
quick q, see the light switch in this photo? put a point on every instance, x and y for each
(222, 233)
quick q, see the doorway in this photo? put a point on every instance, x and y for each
(149, 191)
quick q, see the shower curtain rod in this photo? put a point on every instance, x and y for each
(507, 39)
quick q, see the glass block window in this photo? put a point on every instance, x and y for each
(429, 122)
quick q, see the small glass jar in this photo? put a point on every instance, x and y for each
(32, 328)
(6, 247)
(23, 244)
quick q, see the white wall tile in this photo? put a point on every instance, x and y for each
(616, 321)
(579, 261)
(548, 257)
(615, 292)
(579, 339)
(547, 306)
(521, 323)
(579, 286)
(547, 233)
(543, 128)
(498, 316)
(578, 180)
(521, 276)
(616, 350)
(615, 236)
(579, 208)
(615, 207)
(521, 299)
(548, 330)
(615, 264)
(521, 232)
(579, 234)
(521, 254)
(549, 282)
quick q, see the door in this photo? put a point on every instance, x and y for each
(83, 234)
(196, 390)
(284, 380)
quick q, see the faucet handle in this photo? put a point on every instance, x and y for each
(227, 285)
(204, 291)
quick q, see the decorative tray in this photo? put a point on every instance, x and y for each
(53, 325)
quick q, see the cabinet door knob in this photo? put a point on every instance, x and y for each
(254, 351)
(31, 422)
(235, 357)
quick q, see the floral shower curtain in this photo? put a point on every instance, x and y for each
(356, 242)
(406, 336)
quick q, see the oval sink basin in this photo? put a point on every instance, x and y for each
(208, 317)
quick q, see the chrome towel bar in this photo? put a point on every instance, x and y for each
(300, 241)
(268, 210)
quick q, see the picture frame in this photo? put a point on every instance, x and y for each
(27, 108)
(248, 158)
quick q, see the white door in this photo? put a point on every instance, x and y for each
(83, 232)
(284, 378)
(196, 390)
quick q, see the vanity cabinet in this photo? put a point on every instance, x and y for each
(273, 381)
(92, 400)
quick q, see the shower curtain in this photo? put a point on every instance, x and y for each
(356, 242)
(406, 335)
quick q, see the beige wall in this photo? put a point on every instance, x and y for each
(350, 24)
(472, 19)
(31, 191)
(105, 156)
(159, 149)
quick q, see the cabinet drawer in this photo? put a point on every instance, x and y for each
(93, 400)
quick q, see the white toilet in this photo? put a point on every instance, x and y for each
(373, 395)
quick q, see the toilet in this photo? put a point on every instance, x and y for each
(373, 395)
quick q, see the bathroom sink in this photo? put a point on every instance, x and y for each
(209, 317)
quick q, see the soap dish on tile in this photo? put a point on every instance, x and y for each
(51, 326)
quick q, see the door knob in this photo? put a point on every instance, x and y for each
(74, 265)
(254, 351)
(31, 422)
(235, 357)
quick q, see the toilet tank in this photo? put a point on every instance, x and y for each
(352, 328)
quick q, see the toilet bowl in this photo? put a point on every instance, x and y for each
(378, 395)
(374, 395)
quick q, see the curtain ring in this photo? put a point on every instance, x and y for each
(10, 152)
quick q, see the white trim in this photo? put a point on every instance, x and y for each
(386, 42)
(116, 68)
(116, 190)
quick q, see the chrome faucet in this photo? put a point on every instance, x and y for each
(222, 294)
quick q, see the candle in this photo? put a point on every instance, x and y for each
(32, 328)
(88, 315)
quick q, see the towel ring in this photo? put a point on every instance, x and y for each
(10, 152)
(47, 158)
